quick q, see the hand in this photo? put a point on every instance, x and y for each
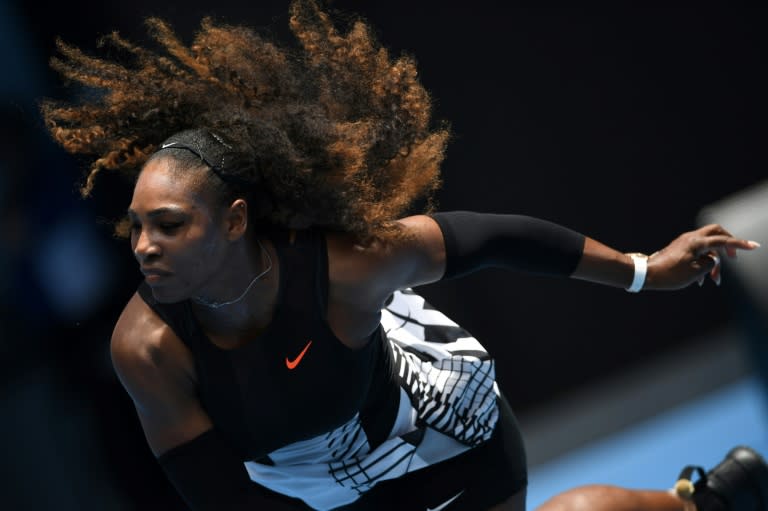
(692, 256)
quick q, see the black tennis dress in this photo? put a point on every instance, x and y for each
(317, 421)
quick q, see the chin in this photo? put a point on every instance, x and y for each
(168, 295)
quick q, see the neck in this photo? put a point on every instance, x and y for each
(241, 288)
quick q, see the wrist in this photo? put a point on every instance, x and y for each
(640, 263)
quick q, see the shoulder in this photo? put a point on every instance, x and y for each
(157, 371)
(377, 268)
(147, 355)
(420, 233)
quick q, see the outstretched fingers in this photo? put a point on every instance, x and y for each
(723, 243)
(711, 245)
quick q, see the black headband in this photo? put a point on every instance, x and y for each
(212, 148)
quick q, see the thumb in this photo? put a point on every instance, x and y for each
(707, 262)
(704, 265)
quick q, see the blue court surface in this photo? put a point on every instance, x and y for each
(650, 454)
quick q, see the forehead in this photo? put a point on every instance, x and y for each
(161, 185)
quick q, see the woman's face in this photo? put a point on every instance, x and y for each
(177, 234)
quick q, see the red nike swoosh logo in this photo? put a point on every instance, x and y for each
(291, 364)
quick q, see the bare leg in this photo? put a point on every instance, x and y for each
(602, 498)
(614, 498)
(742, 477)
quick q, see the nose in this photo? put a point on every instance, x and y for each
(144, 247)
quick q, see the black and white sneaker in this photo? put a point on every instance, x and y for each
(738, 483)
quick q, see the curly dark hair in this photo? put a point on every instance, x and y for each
(341, 131)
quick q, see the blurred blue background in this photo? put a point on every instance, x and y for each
(651, 453)
(624, 123)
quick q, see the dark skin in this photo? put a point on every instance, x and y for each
(189, 246)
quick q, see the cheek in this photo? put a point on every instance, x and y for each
(203, 255)
(211, 248)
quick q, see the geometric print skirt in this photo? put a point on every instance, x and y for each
(448, 404)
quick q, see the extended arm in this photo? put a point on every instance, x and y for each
(452, 244)
(476, 240)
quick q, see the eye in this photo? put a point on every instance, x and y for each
(170, 227)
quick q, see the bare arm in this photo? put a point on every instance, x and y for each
(158, 372)
(362, 277)
(366, 276)
(690, 257)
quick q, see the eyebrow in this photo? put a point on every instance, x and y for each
(159, 211)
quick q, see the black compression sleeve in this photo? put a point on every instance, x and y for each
(209, 476)
(480, 240)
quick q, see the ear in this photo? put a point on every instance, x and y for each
(236, 219)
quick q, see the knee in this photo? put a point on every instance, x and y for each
(586, 498)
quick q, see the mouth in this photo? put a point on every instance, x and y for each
(152, 275)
